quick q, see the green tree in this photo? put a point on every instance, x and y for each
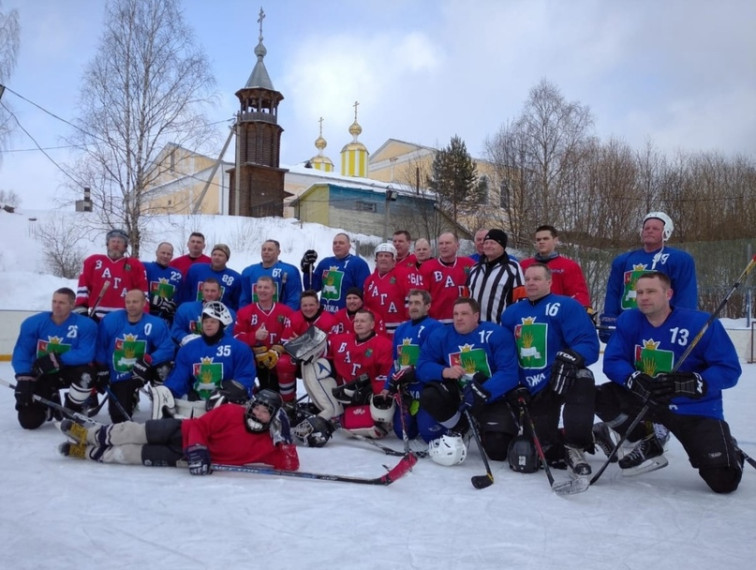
(454, 179)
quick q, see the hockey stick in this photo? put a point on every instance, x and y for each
(693, 343)
(386, 449)
(93, 308)
(117, 403)
(569, 487)
(479, 481)
(399, 470)
(78, 416)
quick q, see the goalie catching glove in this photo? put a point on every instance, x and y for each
(355, 393)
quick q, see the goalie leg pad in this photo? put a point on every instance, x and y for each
(163, 403)
(319, 384)
(186, 409)
(357, 420)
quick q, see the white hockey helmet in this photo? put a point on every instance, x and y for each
(669, 226)
(448, 450)
(219, 311)
(382, 408)
(386, 248)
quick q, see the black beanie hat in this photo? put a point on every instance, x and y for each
(499, 236)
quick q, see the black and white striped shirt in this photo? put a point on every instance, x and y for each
(494, 285)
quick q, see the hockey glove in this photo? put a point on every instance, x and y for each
(607, 326)
(564, 370)
(517, 397)
(102, 378)
(268, 357)
(142, 369)
(474, 396)
(313, 431)
(280, 428)
(354, 393)
(230, 392)
(25, 385)
(82, 310)
(308, 260)
(654, 391)
(688, 384)
(198, 457)
(46, 364)
(162, 305)
(401, 379)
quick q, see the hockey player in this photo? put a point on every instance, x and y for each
(478, 239)
(655, 255)
(445, 277)
(344, 318)
(209, 371)
(469, 366)
(402, 242)
(386, 289)
(286, 277)
(556, 342)
(310, 314)
(334, 275)
(54, 350)
(257, 432)
(261, 326)
(407, 343)
(136, 348)
(566, 275)
(195, 245)
(164, 283)
(422, 251)
(496, 281)
(105, 279)
(229, 279)
(187, 324)
(639, 360)
(344, 392)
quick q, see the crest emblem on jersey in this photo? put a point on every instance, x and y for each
(408, 353)
(332, 279)
(52, 344)
(650, 360)
(530, 338)
(630, 281)
(127, 351)
(162, 288)
(207, 376)
(471, 359)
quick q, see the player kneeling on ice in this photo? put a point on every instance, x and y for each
(556, 341)
(257, 432)
(349, 398)
(466, 368)
(54, 350)
(650, 362)
(209, 371)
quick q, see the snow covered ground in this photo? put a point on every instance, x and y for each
(60, 513)
(63, 513)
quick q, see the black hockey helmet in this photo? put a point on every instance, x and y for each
(522, 455)
(268, 398)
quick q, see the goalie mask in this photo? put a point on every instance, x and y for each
(522, 455)
(267, 399)
(448, 450)
(218, 311)
(314, 431)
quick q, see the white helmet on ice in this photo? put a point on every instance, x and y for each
(386, 248)
(448, 450)
(382, 408)
(669, 226)
(219, 311)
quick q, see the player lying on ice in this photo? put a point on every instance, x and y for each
(231, 434)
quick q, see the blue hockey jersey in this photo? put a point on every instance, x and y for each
(202, 367)
(544, 327)
(73, 340)
(229, 280)
(286, 277)
(188, 320)
(333, 277)
(638, 345)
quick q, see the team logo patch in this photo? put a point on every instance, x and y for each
(630, 281)
(52, 344)
(531, 343)
(332, 279)
(408, 353)
(207, 376)
(471, 359)
(162, 288)
(650, 360)
(127, 350)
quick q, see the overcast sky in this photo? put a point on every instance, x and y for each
(681, 73)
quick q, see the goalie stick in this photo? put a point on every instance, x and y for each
(693, 343)
(399, 470)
